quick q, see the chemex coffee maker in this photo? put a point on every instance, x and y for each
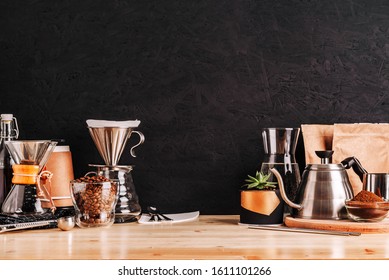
(110, 138)
(28, 195)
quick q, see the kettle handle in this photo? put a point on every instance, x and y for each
(356, 165)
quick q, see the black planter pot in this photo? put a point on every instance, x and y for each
(261, 207)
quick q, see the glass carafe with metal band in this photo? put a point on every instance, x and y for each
(28, 195)
(280, 146)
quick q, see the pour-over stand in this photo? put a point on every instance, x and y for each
(110, 138)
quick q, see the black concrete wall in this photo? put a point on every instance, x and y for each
(202, 76)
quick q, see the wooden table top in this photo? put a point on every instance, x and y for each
(210, 237)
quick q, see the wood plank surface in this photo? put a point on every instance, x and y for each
(339, 225)
(210, 237)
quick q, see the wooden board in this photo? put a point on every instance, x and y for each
(339, 225)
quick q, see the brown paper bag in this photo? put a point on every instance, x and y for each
(317, 137)
(369, 143)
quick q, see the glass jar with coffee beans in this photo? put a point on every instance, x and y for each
(94, 199)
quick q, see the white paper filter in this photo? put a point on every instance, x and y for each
(104, 123)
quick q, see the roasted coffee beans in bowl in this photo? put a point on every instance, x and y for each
(367, 207)
(94, 199)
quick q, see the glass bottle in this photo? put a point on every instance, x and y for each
(8, 131)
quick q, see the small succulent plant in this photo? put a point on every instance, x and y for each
(259, 182)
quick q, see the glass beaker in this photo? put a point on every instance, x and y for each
(94, 202)
(280, 146)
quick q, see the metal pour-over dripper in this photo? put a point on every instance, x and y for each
(27, 195)
(31, 152)
(110, 138)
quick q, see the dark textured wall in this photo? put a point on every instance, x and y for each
(202, 76)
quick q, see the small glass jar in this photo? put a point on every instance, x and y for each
(94, 203)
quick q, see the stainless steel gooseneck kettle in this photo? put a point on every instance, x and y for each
(323, 189)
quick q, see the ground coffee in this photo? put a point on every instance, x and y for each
(366, 196)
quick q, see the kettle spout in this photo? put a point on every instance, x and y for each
(282, 190)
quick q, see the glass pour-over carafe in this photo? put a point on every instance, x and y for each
(127, 207)
(110, 138)
(280, 145)
(28, 195)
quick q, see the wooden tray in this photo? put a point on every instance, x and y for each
(339, 225)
